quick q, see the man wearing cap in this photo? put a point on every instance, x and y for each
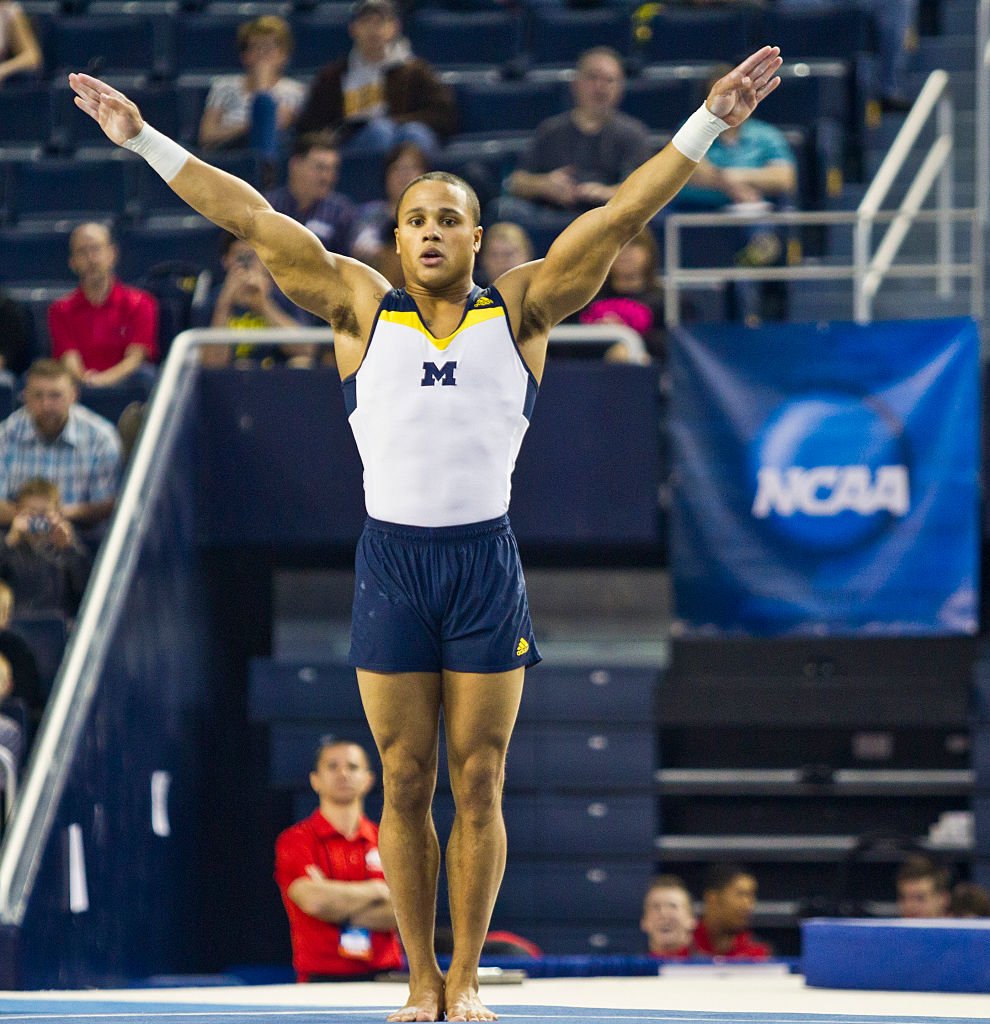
(380, 94)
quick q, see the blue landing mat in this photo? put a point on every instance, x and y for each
(67, 1011)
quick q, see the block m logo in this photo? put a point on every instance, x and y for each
(444, 375)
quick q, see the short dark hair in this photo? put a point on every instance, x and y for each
(451, 179)
(969, 900)
(321, 139)
(918, 867)
(329, 740)
(721, 876)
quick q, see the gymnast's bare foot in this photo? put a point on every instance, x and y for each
(462, 1003)
(425, 1003)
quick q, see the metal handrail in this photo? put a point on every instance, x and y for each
(867, 272)
(8, 769)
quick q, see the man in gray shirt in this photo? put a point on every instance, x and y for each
(577, 159)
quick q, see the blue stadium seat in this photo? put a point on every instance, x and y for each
(508, 106)
(589, 940)
(592, 758)
(43, 190)
(159, 106)
(547, 825)
(660, 103)
(34, 255)
(602, 693)
(46, 635)
(25, 114)
(104, 45)
(280, 691)
(320, 37)
(560, 36)
(804, 99)
(143, 246)
(840, 32)
(155, 199)
(6, 397)
(206, 44)
(110, 402)
(695, 35)
(472, 37)
(192, 95)
(361, 176)
(291, 746)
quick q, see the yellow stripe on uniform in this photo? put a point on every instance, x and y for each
(411, 319)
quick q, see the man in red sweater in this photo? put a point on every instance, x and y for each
(330, 875)
(729, 902)
(105, 332)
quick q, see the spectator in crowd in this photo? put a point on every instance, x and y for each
(374, 239)
(12, 737)
(576, 160)
(330, 875)
(969, 899)
(42, 559)
(20, 54)
(380, 94)
(632, 296)
(504, 245)
(922, 888)
(247, 299)
(668, 919)
(259, 106)
(729, 899)
(15, 336)
(17, 651)
(54, 437)
(308, 195)
(105, 332)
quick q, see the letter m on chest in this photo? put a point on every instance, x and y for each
(433, 374)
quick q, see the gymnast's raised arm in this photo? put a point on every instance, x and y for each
(341, 290)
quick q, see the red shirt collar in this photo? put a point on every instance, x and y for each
(743, 944)
(323, 828)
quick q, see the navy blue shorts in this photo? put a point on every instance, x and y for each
(433, 598)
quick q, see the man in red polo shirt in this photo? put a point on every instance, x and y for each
(330, 875)
(668, 919)
(729, 902)
(105, 332)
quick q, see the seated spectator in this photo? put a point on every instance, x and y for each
(105, 332)
(504, 246)
(308, 195)
(922, 888)
(247, 299)
(20, 53)
(329, 873)
(15, 336)
(257, 107)
(42, 559)
(12, 738)
(576, 160)
(74, 448)
(632, 296)
(668, 919)
(729, 899)
(374, 238)
(24, 665)
(380, 94)
(969, 900)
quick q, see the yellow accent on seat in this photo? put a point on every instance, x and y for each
(412, 319)
(522, 647)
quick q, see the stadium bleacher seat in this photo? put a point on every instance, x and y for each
(110, 402)
(56, 189)
(25, 115)
(159, 106)
(660, 103)
(694, 35)
(494, 105)
(35, 255)
(46, 635)
(281, 690)
(840, 31)
(143, 246)
(101, 45)
(320, 37)
(205, 44)
(597, 694)
(591, 939)
(560, 36)
(472, 37)
(6, 397)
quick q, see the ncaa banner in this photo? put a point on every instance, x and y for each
(825, 478)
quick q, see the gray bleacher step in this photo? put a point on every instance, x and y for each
(780, 848)
(795, 782)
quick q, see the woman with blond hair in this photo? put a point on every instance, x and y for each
(20, 53)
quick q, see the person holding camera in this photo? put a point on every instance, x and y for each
(42, 558)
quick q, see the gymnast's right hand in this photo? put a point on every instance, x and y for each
(118, 116)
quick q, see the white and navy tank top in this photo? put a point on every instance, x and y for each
(439, 421)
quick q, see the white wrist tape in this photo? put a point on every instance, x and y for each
(164, 154)
(697, 133)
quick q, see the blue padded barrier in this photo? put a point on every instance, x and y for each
(568, 760)
(560, 36)
(694, 36)
(896, 955)
(602, 693)
(285, 691)
(468, 37)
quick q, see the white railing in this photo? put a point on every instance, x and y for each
(8, 772)
(868, 268)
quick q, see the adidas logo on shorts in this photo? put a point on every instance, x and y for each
(522, 647)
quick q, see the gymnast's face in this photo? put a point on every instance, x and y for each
(436, 237)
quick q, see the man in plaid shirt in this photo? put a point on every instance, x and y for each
(55, 439)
